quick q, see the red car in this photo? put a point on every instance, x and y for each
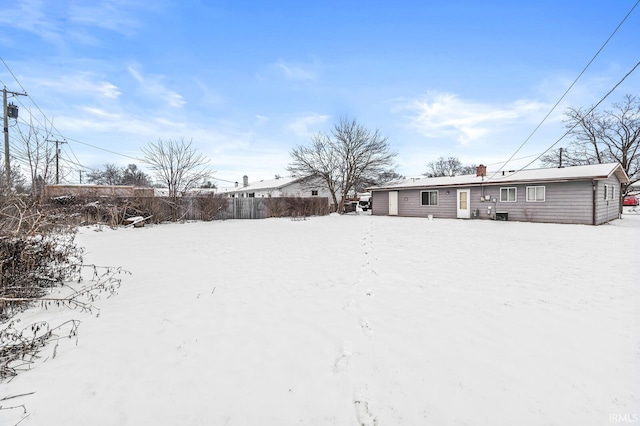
(630, 200)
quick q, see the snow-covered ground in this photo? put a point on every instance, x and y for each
(350, 320)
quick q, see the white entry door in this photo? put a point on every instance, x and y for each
(393, 203)
(464, 208)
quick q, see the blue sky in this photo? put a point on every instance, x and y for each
(248, 80)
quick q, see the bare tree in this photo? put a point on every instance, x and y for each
(382, 179)
(341, 161)
(450, 166)
(110, 175)
(18, 180)
(603, 137)
(39, 153)
(177, 165)
(132, 175)
(114, 175)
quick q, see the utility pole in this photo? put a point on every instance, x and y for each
(8, 111)
(57, 158)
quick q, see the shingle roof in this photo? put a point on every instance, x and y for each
(593, 171)
(261, 185)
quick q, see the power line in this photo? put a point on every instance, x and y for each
(589, 112)
(77, 162)
(44, 129)
(570, 87)
(515, 159)
(54, 127)
(104, 149)
(578, 122)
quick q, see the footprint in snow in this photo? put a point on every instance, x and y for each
(363, 413)
(366, 328)
(342, 362)
(349, 306)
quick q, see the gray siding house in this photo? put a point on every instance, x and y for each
(579, 194)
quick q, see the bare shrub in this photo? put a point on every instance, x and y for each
(150, 207)
(297, 207)
(110, 211)
(19, 348)
(37, 255)
(211, 205)
(31, 264)
(278, 207)
(19, 215)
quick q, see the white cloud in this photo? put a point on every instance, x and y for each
(32, 16)
(108, 14)
(60, 22)
(295, 71)
(152, 86)
(207, 96)
(109, 90)
(444, 115)
(175, 99)
(99, 120)
(83, 84)
(300, 126)
(135, 74)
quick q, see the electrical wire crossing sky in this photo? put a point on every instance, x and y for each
(247, 82)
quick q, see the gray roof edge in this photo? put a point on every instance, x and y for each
(615, 168)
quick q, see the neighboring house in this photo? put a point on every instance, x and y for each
(278, 187)
(579, 194)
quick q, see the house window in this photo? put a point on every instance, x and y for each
(508, 195)
(609, 192)
(429, 198)
(251, 195)
(535, 193)
(314, 192)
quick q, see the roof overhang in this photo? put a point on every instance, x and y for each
(621, 174)
(511, 179)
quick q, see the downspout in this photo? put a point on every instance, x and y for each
(593, 218)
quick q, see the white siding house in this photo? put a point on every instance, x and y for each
(278, 187)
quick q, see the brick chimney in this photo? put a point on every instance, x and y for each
(481, 170)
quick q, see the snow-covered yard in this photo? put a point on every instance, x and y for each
(350, 320)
